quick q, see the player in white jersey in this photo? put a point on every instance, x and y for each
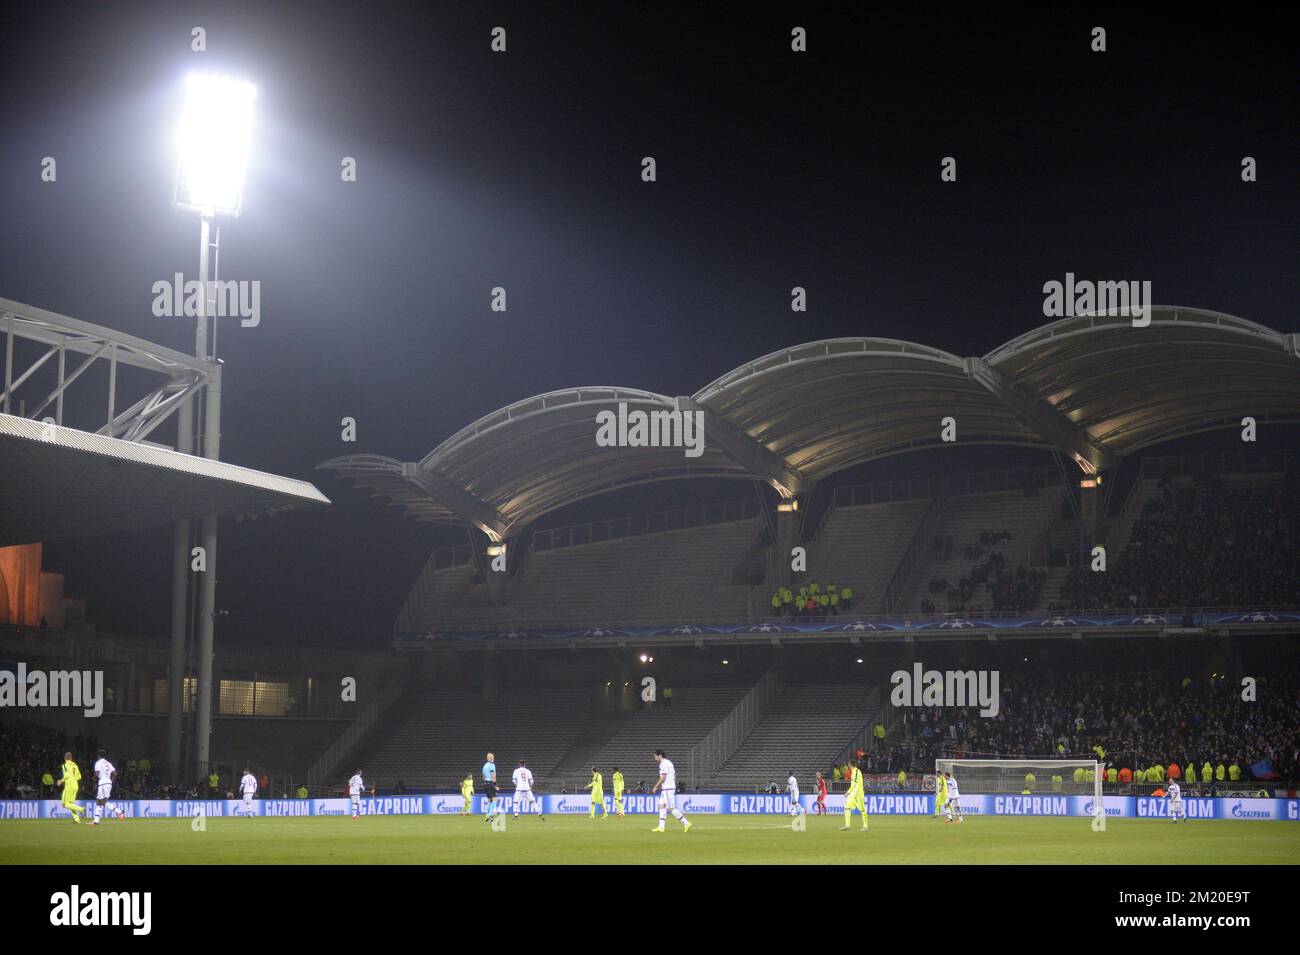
(954, 798)
(1176, 810)
(523, 779)
(666, 786)
(792, 787)
(105, 773)
(355, 786)
(248, 787)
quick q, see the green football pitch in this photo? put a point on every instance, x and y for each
(762, 840)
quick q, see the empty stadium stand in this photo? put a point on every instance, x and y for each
(669, 577)
(721, 572)
(439, 594)
(695, 710)
(803, 731)
(444, 736)
(673, 576)
(860, 547)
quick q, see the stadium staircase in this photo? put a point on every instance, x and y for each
(1061, 539)
(1051, 590)
(363, 735)
(1121, 528)
(582, 755)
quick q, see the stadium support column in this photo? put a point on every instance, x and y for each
(180, 611)
(787, 529)
(1089, 516)
(499, 554)
(208, 528)
(208, 591)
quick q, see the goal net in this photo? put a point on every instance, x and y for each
(1039, 777)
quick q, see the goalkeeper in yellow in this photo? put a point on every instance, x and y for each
(71, 780)
(855, 798)
(467, 794)
(940, 794)
(597, 787)
(618, 792)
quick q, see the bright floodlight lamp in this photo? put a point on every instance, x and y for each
(213, 144)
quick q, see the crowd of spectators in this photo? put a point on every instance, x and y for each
(1199, 543)
(1131, 719)
(31, 760)
(812, 600)
(1000, 586)
(28, 753)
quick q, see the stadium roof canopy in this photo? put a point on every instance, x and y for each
(60, 483)
(1095, 387)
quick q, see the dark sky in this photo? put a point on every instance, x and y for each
(522, 170)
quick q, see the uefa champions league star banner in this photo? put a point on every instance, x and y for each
(848, 624)
(736, 804)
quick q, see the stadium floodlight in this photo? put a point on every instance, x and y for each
(213, 144)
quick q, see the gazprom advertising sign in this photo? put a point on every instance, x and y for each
(734, 804)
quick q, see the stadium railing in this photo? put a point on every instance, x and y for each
(975, 482)
(1173, 617)
(1171, 613)
(1220, 463)
(864, 739)
(354, 734)
(616, 528)
(723, 740)
(912, 556)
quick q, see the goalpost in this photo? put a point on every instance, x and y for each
(1051, 777)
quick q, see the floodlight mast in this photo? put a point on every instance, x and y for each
(213, 149)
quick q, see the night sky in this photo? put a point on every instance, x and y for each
(522, 170)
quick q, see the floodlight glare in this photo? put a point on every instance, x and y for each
(213, 144)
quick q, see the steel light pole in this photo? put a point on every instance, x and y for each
(213, 148)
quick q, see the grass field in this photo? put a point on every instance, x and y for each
(715, 839)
